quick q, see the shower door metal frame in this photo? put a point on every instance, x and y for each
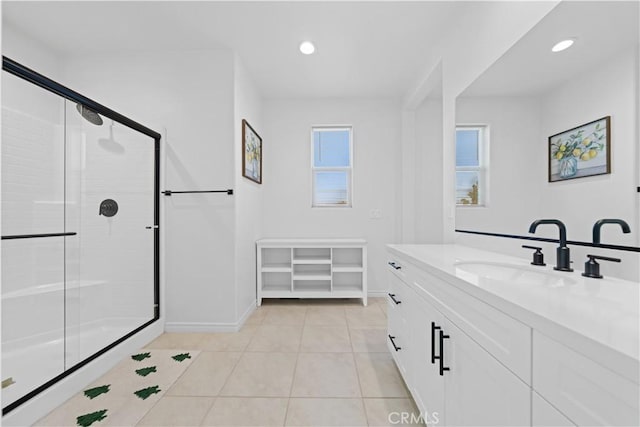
(46, 83)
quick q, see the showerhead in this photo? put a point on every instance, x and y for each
(89, 115)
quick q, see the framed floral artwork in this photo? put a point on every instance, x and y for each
(582, 151)
(251, 153)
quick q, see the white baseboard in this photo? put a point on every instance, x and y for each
(183, 327)
(376, 294)
(39, 406)
(247, 313)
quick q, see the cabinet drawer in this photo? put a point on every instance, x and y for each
(587, 392)
(398, 325)
(502, 336)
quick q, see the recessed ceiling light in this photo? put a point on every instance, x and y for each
(307, 48)
(564, 44)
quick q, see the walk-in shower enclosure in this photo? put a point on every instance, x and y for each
(79, 231)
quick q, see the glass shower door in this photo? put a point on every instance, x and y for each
(33, 241)
(110, 175)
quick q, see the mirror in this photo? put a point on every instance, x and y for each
(532, 93)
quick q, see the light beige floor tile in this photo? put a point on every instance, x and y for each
(177, 341)
(384, 308)
(326, 412)
(372, 339)
(247, 411)
(372, 315)
(325, 339)
(206, 375)
(257, 316)
(378, 300)
(379, 376)
(325, 375)
(285, 315)
(326, 315)
(392, 412)
(261, 375)
(228, 341)
(277, 338)
(178, 411)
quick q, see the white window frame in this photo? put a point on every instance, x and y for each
(348, 169)
(482, 168)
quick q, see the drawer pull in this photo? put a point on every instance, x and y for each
(393, 264)
(393, 299)
(395, 347)
(434, 328)
(442, 367)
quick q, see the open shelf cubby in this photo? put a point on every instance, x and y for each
(276, 281)
(312, 255)
(347, 259)
(312, 285)
(312, 268)
(347, 282)
(276, 259)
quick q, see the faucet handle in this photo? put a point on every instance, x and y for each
(538, 256)
(592, 268)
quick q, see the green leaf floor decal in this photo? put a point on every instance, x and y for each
(87, 419)
(140, 357)
(180, 357)
(97, 391)
(146, 371)
(146, 392)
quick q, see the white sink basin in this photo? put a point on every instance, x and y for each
(512, 273)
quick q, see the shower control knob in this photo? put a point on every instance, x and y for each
(108, 208)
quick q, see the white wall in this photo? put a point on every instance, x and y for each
(188, 97)
(478, 39)
(287, 173)
(513, 188)
(248, 194)
(428, 166)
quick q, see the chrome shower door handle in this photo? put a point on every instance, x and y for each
(150, 227)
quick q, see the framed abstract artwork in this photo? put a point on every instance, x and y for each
(251, 153)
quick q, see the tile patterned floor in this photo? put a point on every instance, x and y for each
(294, 363)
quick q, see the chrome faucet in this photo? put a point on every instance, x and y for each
(599, 223)
(563, 258)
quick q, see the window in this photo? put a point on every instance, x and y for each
(331, 166)
(471, 165)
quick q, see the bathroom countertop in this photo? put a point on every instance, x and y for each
(597, 317)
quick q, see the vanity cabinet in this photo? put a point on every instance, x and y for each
(471, 360)
(454, 380)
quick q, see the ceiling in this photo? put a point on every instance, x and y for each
(602, 30)
(363, 49)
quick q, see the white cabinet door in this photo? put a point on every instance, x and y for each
(428, 385)
(587, 392)
(545, 415)
(479, 391)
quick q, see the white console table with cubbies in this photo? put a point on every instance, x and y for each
(312, 268)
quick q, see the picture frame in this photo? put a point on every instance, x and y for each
(581, 151)
(251, 153)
